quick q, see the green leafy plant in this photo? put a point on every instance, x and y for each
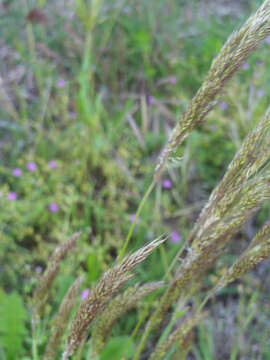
(13, 330)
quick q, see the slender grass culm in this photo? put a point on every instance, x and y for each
(240, 193)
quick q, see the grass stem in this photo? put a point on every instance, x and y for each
(131, 229)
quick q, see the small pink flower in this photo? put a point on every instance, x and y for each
(267, 39)
(31, 166)
(260, 92)
(223, 105)
(12, 195)
(175, 237)
(150, 99)
(61, 82)
(85, 293)
(245, 66)
(54, 207)
(173, 79)
(17, 172)
(166, 183)
(52, 164)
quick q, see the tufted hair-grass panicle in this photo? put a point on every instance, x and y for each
(244, 187)
(44, 284)
(232, 55)
(61, 320)
(118, 306)
(108, 285)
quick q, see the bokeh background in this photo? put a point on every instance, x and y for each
(88, 100)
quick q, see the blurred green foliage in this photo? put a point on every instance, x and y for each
(13, 330)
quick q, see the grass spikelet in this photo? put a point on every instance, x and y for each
(109, 284)
(252, 155)
(232, 55)
(248, 260)
(42, 290)
(61, 320)
(178, 335)
(258, 250)
(119, 305)
(262, 235)
(185, 345)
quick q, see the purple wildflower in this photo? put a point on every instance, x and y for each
(73, 115)
(175, 237)
(150, 99)
(12, 195)
(52, 164)
(173, 79)
(132, 218)
(17, 172)
(223, 105)
(85, 293)
(31, 166)
(61, 82)
(39, 269)
(267, 40)
(259, 62)
(166, 183)
(260, 92)
(54, 207)
(245, 66)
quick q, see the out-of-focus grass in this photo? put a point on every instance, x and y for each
(96, 94)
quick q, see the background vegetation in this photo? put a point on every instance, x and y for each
(87, 103)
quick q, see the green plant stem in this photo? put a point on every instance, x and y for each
(142, 342)
(203, 303)
(145, 197)
(34, 340)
